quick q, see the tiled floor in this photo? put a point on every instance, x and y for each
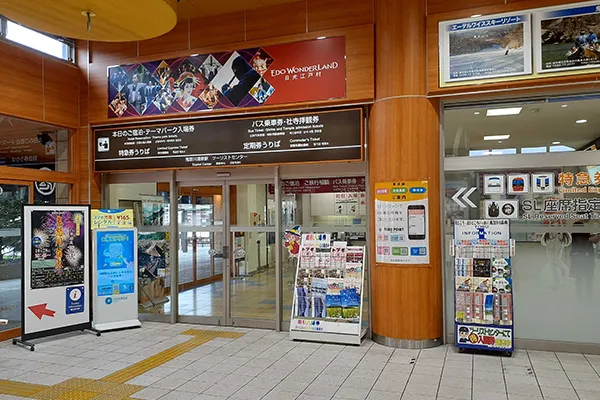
(267, 365)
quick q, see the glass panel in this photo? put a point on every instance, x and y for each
(37, 41)
(561, 125)
(201, 250)
(252, 205)
(556, 255)
(150, 203)
(12, 197)
(253, 275)
(51, 193)
(333, 206)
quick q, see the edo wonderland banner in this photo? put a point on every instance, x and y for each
(288, 73)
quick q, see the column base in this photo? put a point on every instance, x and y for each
(407, 343)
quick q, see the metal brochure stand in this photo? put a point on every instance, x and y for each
(328, 291)
(483, 301)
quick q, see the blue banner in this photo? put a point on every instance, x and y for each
(115, 254)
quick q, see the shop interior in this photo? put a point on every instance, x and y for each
(534, 152)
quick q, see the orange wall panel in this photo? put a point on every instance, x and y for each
(442, 6)
(329, 14)
(61, 92)
(177, 39)
(21, 82)
(105, 51)
(280, 20)
(218, 29)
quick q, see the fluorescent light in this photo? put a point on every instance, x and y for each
(475, 15)
(581, 121)
(555, 142)
(322, 37)
(476, 113)
(565, 106)
(497, 112)
(496, 137)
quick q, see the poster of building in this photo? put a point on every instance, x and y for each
(153, 270)
(57, 248)
(402, 222)
(153, 210)
(566, 37)
(482, 48)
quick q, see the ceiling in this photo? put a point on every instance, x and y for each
(188, 9)
(540, 123)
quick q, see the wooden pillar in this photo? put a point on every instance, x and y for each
(404, 144)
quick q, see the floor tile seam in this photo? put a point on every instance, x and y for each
(416, 359)
(591, 365)
(534, 373)
(565, 371)
(437, 392)
(472, 377)
(356, 366)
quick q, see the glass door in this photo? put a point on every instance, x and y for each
(203, 253)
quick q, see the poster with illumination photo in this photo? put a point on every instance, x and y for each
(566, 37)
(483, 48)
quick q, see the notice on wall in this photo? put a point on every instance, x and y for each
(566, 38)
(292, 138)
(56, 270)
(401, 222)
(112, 219)
(487, 47)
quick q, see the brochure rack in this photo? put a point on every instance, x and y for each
(328, 291)
(483, 301)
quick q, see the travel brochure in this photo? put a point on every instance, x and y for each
(562, 39)
(329, 282)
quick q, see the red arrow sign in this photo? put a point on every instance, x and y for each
(40, 310)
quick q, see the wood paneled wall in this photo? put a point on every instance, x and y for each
(441, 10)
(297, 21)
(38, 87)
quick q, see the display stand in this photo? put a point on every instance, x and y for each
(483, 301)
(328, 291)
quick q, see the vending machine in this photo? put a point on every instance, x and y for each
(483, 285)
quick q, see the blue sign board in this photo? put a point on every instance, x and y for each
(115, 260)
(75, 299)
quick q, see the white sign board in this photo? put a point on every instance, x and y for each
(56, 270)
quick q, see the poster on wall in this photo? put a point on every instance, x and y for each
(482, 48)
(289, 138)
(328, 291)
(566, 37)
(115, 278)
(153, 270)
(112, 218)
(153, 210)
(287, 73)
(402, 222)
(56, 270)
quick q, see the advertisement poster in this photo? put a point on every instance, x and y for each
(112, 219)
(57, 248)
(297, 137)
(484, 336)
(56, 269)
(483, 48)
(115, 262)
(566, 37)
(402, 222)
(153, 210)
(153, 269)
(286, 73)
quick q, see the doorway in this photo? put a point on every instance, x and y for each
(226, 253)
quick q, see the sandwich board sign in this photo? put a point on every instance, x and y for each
(56, 271)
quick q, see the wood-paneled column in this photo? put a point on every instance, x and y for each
(404, 144)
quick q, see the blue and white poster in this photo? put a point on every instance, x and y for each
(115, 272)
(483, 48)
(75, 300)
(566, 37)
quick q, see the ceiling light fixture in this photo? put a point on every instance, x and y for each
(475, 15)
(498, 112)
(476, 113)
(581, 121)
(555, 142)
(565, 106)
(496, 137)
(322, 37)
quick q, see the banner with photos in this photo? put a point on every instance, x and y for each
(295, 72)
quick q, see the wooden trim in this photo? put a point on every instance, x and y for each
(10, 334)
(200, 282)
(514, 83)
(33, 175)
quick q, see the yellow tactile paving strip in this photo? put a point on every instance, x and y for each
(113, 386)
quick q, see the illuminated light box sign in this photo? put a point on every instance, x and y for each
(322, 185)
(288, 73)
(290, 138)
(115, 273)
(112, 219)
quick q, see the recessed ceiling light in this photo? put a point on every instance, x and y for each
(496, 137)
(498, 112)
(565, 106)
(499, 141)
(555, 142)
(475, 15)
(322, 37)
(581, 121)
(476, 113)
